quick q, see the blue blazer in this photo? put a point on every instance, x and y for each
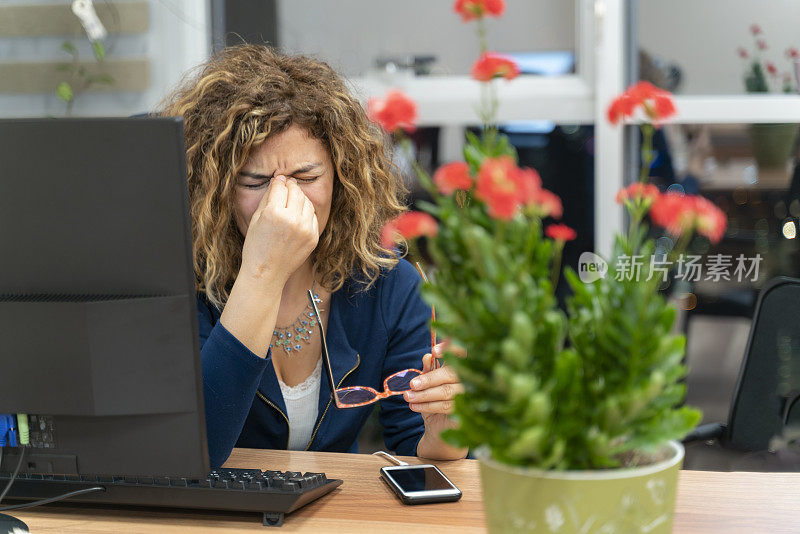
(370, 335)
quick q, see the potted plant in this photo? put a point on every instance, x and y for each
(574, 414)
(772, 143)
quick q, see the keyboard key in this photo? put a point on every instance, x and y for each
(300, 481)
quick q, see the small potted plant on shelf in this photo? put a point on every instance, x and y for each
(772, 143)
(574, 414)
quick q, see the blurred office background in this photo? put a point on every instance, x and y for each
(575, 54)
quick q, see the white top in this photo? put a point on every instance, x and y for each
(301, 408)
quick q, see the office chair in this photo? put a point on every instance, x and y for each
(766, 398)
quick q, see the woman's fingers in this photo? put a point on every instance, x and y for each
(308, 207)
(426, 363)
(276, 193)
(441, 348)
(437, 377)
(295, 197)
(432, 407)
(443, 392)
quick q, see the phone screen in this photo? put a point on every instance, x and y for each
(420, 479)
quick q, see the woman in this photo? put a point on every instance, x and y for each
(289, 186)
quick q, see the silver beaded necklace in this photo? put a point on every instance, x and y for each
(289, 337)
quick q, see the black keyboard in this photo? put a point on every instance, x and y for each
(273, 493)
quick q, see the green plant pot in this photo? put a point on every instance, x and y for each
(772, 144)
(639, 499)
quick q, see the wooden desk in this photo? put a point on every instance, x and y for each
(707, 502)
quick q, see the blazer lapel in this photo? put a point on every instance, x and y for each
(344, 358)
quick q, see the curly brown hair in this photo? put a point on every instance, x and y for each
(235, 101)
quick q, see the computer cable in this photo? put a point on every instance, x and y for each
(41, 501)
(389, 457)
(12, 430)
(14, 475)
(3, 429)
(51, 499)
(24, 429)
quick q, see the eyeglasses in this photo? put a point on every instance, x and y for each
(353, 397)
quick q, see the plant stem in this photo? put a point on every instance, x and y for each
(555, 273)
(489, 102)
(500, 232)
(482, 42)
(647, 151)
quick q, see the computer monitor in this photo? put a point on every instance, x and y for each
(98, 320)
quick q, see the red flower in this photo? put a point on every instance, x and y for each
(663, 107)
(743, 53)
(638, 192)
(656, 103)
(762, 44)
(792, 53)
(500, 186)
(621, 107)
(408, 225)
(546, 204)
(755, 29)
(560, 232)
(452, 177)
(530, 185)
(393, 111)
(475, 9)
(491, 65)
(771, 68)
(709, 219)
(679, 214)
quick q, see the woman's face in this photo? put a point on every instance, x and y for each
(293, 153)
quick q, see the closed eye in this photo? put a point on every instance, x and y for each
(264, 183)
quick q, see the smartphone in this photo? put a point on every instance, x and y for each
(420, 484)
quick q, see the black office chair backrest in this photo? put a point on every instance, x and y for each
(764, 399)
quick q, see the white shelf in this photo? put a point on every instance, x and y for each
(452, 100)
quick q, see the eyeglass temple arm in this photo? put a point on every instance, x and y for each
(326, 359)
(434, 361)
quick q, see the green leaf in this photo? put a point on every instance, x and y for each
(474, 157)
(99, 50)
(69, 48)
(64, 92)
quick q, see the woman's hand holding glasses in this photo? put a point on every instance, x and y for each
(432, 392)
(432, 395)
